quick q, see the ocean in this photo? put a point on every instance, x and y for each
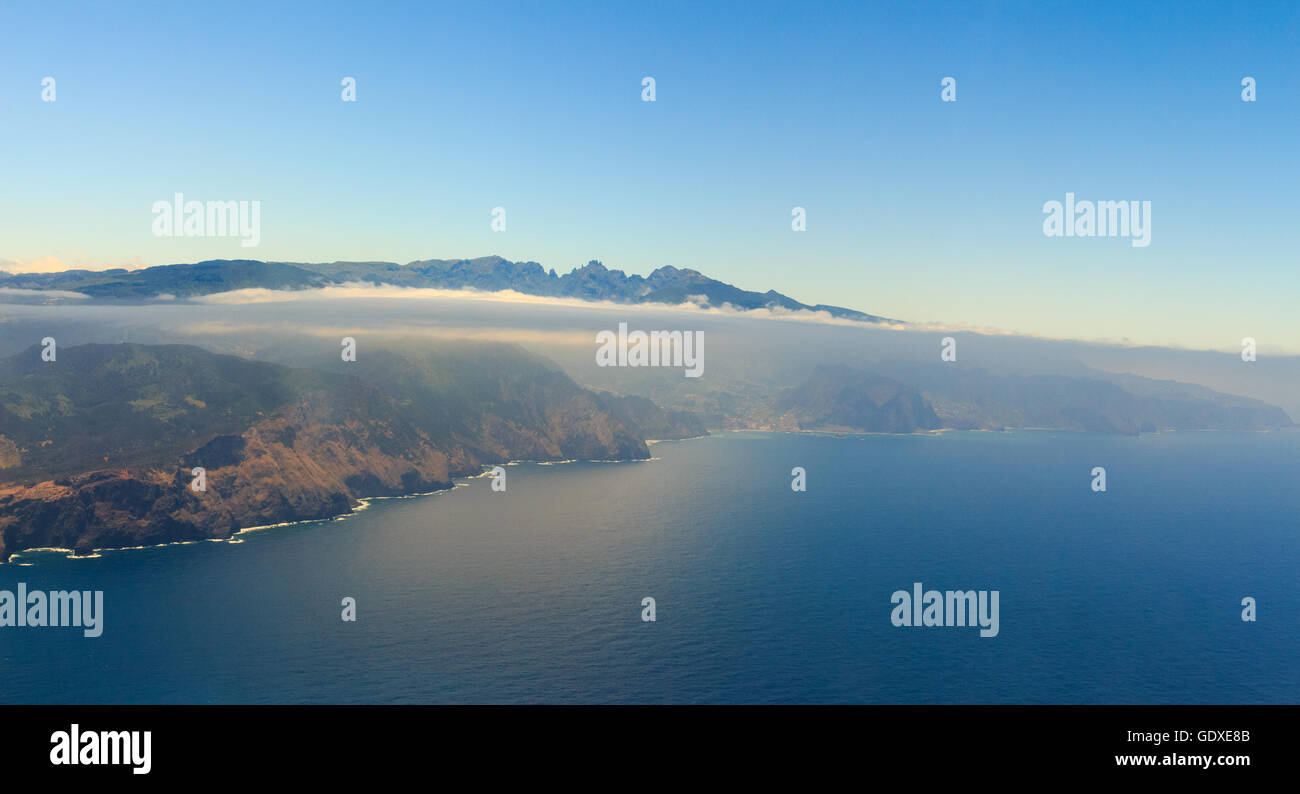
(762, 594)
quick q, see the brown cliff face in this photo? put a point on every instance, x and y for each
(337, 441)
(287, 468)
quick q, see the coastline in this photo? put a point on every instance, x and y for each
(363, 503)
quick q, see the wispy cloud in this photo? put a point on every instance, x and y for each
(42, 293)
(384, 291)
(694, 306)
(401, 331)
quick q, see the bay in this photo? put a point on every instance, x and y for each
(763, 594)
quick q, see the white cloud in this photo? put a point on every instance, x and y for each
(360, 290)
(41, 293)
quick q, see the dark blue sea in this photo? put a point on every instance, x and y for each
(763, 595)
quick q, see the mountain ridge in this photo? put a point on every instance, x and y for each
(592, 281)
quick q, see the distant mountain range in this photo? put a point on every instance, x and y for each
(973, 398)
(906, 396)
(593, 282)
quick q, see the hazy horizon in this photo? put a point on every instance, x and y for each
(752, 344)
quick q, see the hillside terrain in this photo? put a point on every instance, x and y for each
(97, 448)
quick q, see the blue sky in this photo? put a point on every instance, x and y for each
(917, 209)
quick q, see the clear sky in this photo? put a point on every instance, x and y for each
(916, 208)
